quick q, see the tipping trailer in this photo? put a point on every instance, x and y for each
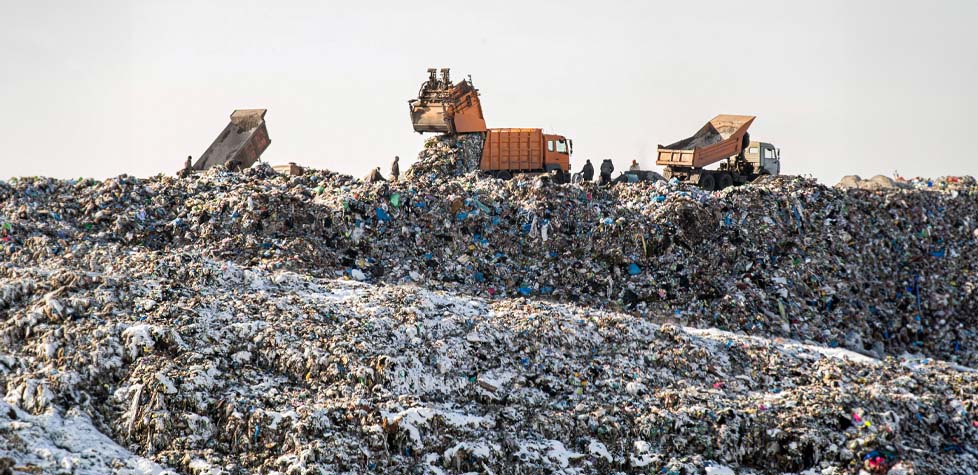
(442, 107)
(724, 140)
(240, 144)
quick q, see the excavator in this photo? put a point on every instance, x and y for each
(446, 108)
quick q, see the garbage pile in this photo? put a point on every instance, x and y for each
(63, 441)
(878, 182)
(450, 322)
(205, 366)
(878, 272)
(447, 156)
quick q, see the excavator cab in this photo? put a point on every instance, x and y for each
(444, 108)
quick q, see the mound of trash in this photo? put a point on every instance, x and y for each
(451, 323)
(63, 440)
(209, 367)
(881, 272)
(447, 156)
(878, 182)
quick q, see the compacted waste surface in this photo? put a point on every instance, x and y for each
(454, 323)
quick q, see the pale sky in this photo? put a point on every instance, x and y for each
(98, 89)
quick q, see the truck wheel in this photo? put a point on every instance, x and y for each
(724, 181)
(504, 175)
(707, 182)
(667, 173)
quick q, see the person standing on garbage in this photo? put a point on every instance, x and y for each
(588, 171)
(634, 167)
(187, 167)
(606, 168)
(395, 169)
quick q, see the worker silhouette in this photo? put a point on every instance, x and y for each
(588, 171)
(187, 167)
(606, 169)
(395, 169)
(634, 167)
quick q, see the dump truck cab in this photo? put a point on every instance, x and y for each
(558, 152)
(765, 157)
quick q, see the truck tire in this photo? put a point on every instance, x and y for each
(707, 182)
(667, 172)
(724, 180)
(504, 175)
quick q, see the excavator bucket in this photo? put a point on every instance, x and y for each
(240, 144)
(444, 108)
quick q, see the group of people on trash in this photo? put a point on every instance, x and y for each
(587, 173)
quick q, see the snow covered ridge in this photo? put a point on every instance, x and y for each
(201, 365)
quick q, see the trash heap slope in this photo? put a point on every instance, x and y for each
(198, 323)
(880, 272)
(206, 366)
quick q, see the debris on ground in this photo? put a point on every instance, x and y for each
(454, 323)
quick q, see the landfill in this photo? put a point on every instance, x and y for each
(450, 322)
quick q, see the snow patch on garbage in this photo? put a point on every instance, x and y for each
(785, 345)
(70, 443)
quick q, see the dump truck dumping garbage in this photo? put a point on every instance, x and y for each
(240, 144)
(724, 140)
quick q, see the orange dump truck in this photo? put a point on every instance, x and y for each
(446, 108)
(508, 151)
(724, 140)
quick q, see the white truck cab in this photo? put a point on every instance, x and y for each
(765, 157)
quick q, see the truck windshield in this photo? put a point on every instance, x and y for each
(561, 146)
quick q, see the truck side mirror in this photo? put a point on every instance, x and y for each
(778, 153)
(570, 143)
